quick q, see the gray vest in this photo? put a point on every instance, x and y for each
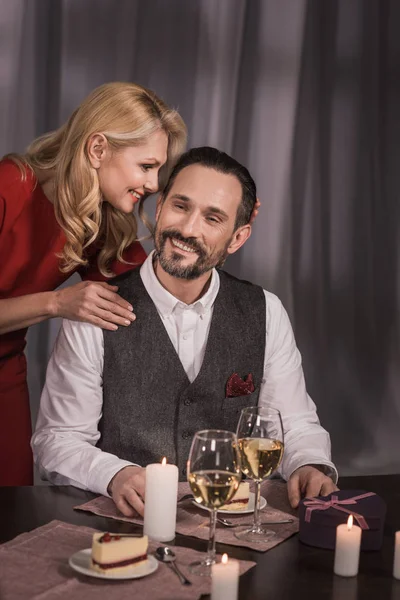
(150, 408)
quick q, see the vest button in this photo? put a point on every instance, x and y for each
(184, 472)
(186, 435)
(187, 402)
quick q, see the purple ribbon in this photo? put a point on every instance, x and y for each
(317, 504)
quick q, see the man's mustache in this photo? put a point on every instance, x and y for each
(189, 241)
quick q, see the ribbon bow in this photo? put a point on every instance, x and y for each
(318, 504)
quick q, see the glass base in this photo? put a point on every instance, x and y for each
(202, 567)
(254, 534)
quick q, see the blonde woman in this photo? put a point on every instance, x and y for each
(66, 206)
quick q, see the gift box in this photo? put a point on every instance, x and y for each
(319, 518)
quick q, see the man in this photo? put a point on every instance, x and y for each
(116, 401)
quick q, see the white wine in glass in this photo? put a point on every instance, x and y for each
(260, 457)
(214, 474)
(213, 489)
(260, 439)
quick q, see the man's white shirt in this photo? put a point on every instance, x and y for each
(71, 404)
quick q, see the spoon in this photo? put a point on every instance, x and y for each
(165, 554)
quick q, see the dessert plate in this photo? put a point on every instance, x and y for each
(242, 511)
(80, 561)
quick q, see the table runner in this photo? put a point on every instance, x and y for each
(35, 566)
(194, 521)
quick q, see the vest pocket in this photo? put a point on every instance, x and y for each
(232, 407)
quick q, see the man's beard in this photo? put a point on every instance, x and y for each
(205, 261)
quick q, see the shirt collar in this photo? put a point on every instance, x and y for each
(165, 302)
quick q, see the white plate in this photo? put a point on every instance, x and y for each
(80, 561)
(242, 511)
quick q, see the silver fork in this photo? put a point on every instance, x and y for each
(186, 497)
(227, 523)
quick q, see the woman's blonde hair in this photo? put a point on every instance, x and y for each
(126, 114)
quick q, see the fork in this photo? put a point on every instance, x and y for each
(186, 497)
(228, 523)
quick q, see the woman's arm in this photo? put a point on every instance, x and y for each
(94, 302)
(21, 312)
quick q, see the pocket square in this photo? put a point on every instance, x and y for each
(236, 386)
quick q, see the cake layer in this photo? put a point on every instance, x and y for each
(112, 552)
(241, 499)
(242, 493)
(121, 563)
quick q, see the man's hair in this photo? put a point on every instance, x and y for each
(223, 163)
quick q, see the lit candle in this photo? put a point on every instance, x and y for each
(396, 562)
(347, 551)
(225, 579)
(160, 501)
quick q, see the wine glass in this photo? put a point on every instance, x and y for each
(260, 439)
(214, 475)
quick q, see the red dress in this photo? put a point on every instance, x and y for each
(30, 238)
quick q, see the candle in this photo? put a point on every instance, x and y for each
(160, 502)
(396, 562)
(225, 579)
(347, 551)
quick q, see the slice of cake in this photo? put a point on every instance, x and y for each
(240, 500)
(114, 554)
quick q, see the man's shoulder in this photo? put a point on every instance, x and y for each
(78, 330)
(235, 281)
(273, 304)
(270, 298)
(125, 278)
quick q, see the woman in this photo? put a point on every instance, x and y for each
(66, 206)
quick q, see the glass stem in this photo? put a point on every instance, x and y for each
(211, 541)
(257, 519)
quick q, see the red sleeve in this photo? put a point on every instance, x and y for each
(134, 254)
(2, 212)
(15, 194)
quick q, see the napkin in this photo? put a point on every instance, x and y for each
(194, 521)
(35, 565)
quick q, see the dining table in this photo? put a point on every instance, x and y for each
(291, 570)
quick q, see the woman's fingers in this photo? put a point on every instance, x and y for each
(115, 298)
(101, 323)
(121, 314)
(117, 310)
(94, 302)
(107, 314)
(110, 292)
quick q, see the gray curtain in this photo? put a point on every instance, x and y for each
(306, 94)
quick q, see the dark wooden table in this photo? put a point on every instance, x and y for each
(289, 571)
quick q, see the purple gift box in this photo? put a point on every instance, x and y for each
(319, 518)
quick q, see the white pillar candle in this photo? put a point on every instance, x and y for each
(160, 504)
(225, 579)
(347, 551)
(396, 562)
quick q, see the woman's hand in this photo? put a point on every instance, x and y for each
(255, 211)
(94, 302)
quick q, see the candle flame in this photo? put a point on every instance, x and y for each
(224, 559)
(164, 461)
(349, 522)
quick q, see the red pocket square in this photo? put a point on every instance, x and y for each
(237, 387)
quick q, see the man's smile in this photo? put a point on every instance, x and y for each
(181, 245)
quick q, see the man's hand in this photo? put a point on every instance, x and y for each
(308, 482)
(127, 489)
